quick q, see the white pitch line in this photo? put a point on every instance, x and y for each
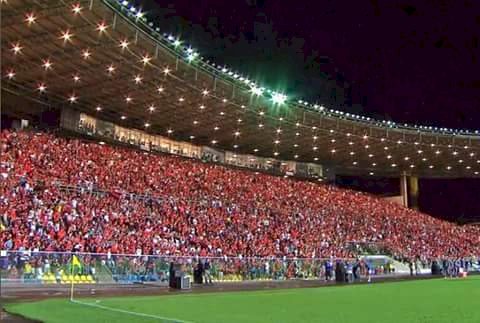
(131, 313)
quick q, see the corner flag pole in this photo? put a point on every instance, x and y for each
(71, 275)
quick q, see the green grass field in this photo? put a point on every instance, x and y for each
(435, 301)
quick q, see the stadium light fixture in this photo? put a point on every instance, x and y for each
(47, 64)
(137, 79)
(41, 87)
(279, 98)
(66, 36)
(258, 91)
(146, 59)
(76, 8)
(101, 27)
(124, 44)
(191, 56)
(72, 98)
(30, 18)
(11, 74)
(86, 54)
(139, 14)
(16, 48)
(110, 69)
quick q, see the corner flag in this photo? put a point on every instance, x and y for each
(76, 261)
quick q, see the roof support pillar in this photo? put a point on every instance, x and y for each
(413, 191)
(409, 191)
(404, 189)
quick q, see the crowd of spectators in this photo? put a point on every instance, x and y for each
(194, 208)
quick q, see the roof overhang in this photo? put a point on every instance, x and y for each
(134, 72)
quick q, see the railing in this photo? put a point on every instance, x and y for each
(65, 267)
(43, 267)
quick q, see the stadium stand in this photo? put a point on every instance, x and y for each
(59, 194)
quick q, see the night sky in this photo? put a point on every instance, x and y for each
(407, 61)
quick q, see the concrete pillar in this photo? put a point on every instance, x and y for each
(404, 189)
(409, 191)
(413, 192)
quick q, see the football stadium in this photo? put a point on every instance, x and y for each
(144, 182)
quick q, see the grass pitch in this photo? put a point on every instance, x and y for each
(432, 301)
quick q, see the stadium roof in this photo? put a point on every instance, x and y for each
(103, 57)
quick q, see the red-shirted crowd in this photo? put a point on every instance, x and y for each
(194, 208)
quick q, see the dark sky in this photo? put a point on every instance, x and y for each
(409, 61)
